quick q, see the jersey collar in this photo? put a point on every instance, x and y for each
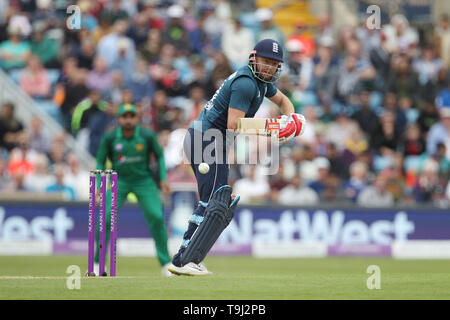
(119, 134)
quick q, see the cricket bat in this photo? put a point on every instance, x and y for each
(260, 126)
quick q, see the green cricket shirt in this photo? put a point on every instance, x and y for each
(130, 156)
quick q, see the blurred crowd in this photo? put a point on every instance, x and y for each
(377, 102)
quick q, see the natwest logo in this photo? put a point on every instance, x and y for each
(318, 226)
(42, 228)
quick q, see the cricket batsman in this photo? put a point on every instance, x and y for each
(240, 96)
(129, 147)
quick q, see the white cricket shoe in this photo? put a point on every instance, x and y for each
(190, 269)
(165, 271)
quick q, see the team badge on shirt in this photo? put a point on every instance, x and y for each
(139, 147)
(118, 147)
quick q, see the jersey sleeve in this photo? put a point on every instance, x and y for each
(242, 93)
(271, 90)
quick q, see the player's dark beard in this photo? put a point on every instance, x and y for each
(128, 128)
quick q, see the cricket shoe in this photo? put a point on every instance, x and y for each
(165, 271)
(190, 269)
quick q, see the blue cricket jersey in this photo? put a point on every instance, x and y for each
(240, 91)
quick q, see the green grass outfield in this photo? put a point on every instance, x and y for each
(234, 278)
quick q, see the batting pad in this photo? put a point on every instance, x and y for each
(218, 215)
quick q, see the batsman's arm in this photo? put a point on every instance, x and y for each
(283, 103)
(233, 117)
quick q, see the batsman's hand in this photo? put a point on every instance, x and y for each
(300, 123)
(287, 128)
(165, 187)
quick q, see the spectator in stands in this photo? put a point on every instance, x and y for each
(124, 62)
(58, 150)
(139, 28)
(21, 158)
(325, 69)
(253, 187)
(237, 42)
(14, 52)
(340, 130)
(277, 182)
(34, 79)
(428, 117)
(302, 35)
(98, 124)
(348, 81)
(174, 32)
(40, 178)
(380, 58)
(391, 103)
(114, 11)
(5, 179)
(43, 46)
(85, 109)
(99, 78)
(364, 116)
(39, 139)
(440, 132)
(59, 186)
(376, 195)
(403, 80)
(338, 166)
(323, 169)
(297, 194)
(103, 28)
(111, 45)
(222, 70)
(400, 36)
(355, 145)
(10, 127)
(116, 92)
(69, 94)
(140, 83)
(386, 139)
(17, 183)
(150, 50)
(442, 39)
(267, 29)
(357, 182)
(75, 176)
(86, 54)
(300, 65)
(428, 182)
(160, 112)
(413, 143)
(195, 104)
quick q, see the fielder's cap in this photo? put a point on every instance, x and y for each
(126, 107)
(269, 48)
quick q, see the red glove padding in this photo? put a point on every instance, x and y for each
(287, 128)
(300, 122)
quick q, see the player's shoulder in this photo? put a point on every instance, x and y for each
(244, 80)
(146, 132)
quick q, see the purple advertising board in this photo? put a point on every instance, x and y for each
(338, 228)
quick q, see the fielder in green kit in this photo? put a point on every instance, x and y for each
(129, 147)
